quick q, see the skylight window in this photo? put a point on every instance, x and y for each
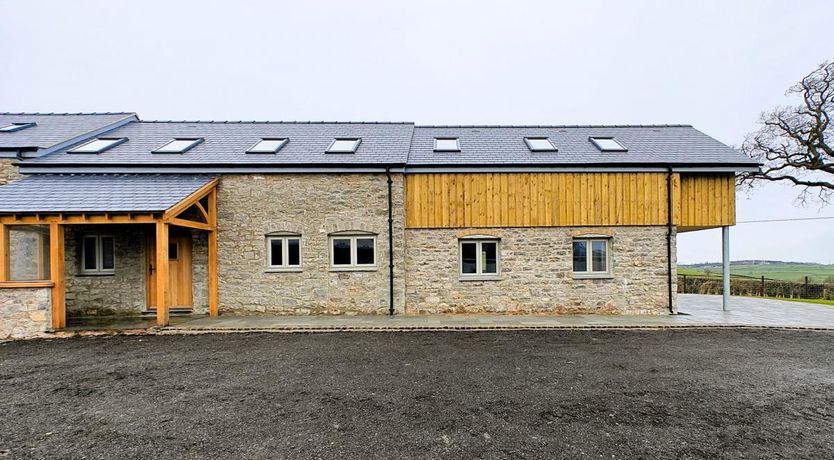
(271, 145)
(446, 144)
(540, 144)
(179, 145)
(344, 145)
(10, 128)
(98, 145)
(608, 144)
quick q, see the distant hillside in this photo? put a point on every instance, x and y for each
(770, 269)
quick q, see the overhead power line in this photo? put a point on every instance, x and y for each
(783, 220)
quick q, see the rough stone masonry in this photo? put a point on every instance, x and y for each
(536, 273)
(24, 312)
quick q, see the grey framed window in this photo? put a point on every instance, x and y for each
(98, 255)
(283, 253)
(344, 145)
(591, 257)
(179, 145)
(608, 144)
(268, 145)
(540, 144)
(10, 128)
(479, 259)
(353, 252)
(446, 144)
(98, 145)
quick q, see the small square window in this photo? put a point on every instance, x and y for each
(98, 255)
(283, 253)
(268, 145)
(591, 257)
(179, 145)
(344, 145)
(479, 259)
(353, 253)
(10, 128)
(446, 144)
(98, 145)
(540, 144)
(608, 144)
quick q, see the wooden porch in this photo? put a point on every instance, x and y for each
(198, 211)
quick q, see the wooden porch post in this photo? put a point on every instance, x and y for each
(161, 273)
(4, 253)
(57, 275)
(212, 254)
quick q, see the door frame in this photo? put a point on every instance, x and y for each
(180, 269)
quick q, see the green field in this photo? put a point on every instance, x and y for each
(816, 273)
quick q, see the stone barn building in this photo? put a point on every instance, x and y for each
(107, 214)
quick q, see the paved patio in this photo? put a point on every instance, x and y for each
(697, 311)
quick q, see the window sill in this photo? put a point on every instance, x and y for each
(354, 269)
(284, 270)
(480, 278)
(593, 276)
(82, 274)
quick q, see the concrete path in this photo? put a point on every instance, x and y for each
(699, 311)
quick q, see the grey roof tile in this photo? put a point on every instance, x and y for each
(504, 145)
(98, 193)
(53, 128)
(227, 143)
(400, 143)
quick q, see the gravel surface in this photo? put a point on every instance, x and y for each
(554, 394)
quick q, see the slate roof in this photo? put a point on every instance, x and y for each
(54, 128)
(101, 193)
(227, 142)
(504, 145)
(225, 145)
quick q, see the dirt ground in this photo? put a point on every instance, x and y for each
(547, 394)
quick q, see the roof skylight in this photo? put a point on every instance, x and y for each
(344, 145)
(268, 145)
(179, 145)
(446, 144)
(10, 128)
(608, 144)
(98, 145)
(540, 144)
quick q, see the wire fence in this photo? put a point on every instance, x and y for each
(756, 287)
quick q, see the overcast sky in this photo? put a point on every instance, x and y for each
(715, 65)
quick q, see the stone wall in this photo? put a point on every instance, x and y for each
(122, 293)
(536, 273)
(8, 172)
(24, 312)
(199, 270)
(125, 291)
(250, 206)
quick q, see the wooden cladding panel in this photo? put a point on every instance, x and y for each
(565, 199)
(707, 200)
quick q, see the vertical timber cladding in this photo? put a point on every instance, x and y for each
(448, 200)
(707, 200)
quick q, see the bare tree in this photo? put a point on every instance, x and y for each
(794, 143)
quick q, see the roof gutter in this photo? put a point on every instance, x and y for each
(44, 168)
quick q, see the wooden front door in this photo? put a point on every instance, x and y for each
(180, 294)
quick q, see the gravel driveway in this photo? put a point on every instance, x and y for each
(556, 394)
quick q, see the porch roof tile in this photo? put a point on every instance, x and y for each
(98, 193)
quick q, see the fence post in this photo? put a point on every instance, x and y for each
(806, 289)
(763, 287)
(684, 284)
